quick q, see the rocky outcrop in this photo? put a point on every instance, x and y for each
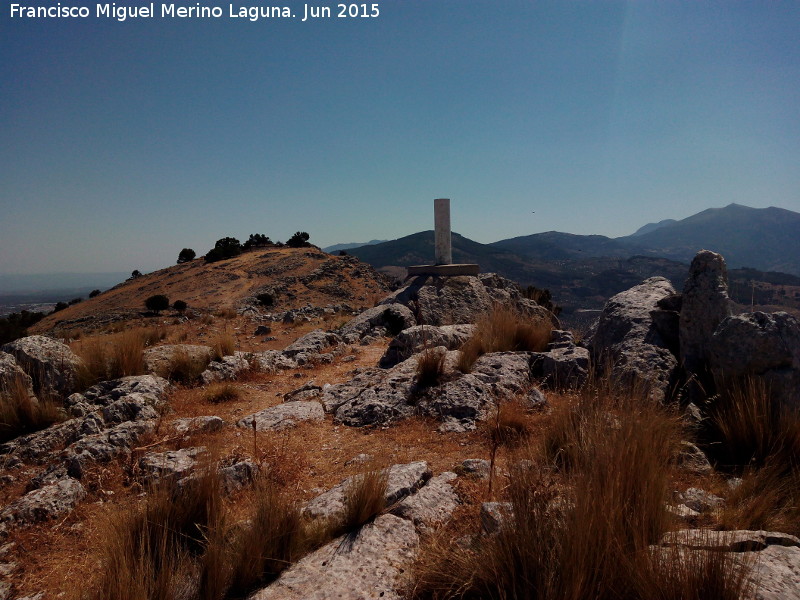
(226, 368)
(563, 368)
(12, 375)
(48, 502)
(705, 304)
(415, 339)
(629, 340)
(759, 344)
(51, 364)
(284, 416)
(173, 464)
(378, 396)
(431, 506)
(462, 299)
(193, 425)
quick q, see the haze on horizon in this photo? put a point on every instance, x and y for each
(121, 143)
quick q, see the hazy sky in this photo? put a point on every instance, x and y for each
(121, 143)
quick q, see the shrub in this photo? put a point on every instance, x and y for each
(502, 330)
(21, 413)
(542, 298)
(75, 301)
(220, 392)
(94, 293)
(60, 306)
(180, 306)
(256, 240)
(135, 274)
(298, 240)
(226, 247)
(266, 299)
(157, 303)
(184, 368)
(15, 325)
(224, 345)
(186, 255)
(430, 367)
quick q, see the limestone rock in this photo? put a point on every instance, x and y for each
(432, 505)
(699, 500)
(283, 416)
(312, 343)
(494, 515)
(173, 464)
(627, 337)
(207, 424)
(414, 339)
(367, 566)
(50, 363)
(393, 317)
(402, 480)
(705, 305)
(691, 458)
(227, 368)
(272, 361)
(11, 374)
(304, 392)
(49, 502)
(477, 467)
(763, 344)
(150, 387)
(563, 367)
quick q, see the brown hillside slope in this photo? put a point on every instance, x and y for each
(294, 276)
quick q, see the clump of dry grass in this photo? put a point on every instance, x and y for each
(430, 367)
(501, 330)
(112, 360)
(224, 345)
(365, 499)
(185, 368)
(21, 413)
(220, 392)
(511, 425)
(586, 532)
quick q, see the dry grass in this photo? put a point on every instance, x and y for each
(224, 345)
(586, 533)
(219, 392)
(502, 330)
(430, 368)
(365, 499)
(185, 368)
(121, 357)
(20, 413)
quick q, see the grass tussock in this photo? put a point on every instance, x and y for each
(430, 368)
(220, 392)
(502, 330)
(21, 413)
(224, 345)
(586, 531)
(185, 368)
(511, 425)
(365, 499)
(760, 439)
(122, 357)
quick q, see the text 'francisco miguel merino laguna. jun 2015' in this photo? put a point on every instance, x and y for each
(121, 12)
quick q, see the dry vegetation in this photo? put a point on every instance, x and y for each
(504, 329)
(20, 413)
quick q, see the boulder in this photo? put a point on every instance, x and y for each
(362, 567)
(173, 464)
(414, 339)
(494, 515)
(564, 367)
(284, 416)
(192, 425)
(304, 392)
(312, 343)
(391, 317)
(51, 364)
(272, 361)
(476, 467)
(705, 304)
(761, 344)
(228, 368)
(627, 337)
(11, 375)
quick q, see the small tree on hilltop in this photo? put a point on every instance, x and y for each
(94, 293)
(227, 247)
(256, 240)
(298, 240)
(135, 274)
(186, 255)
(157, 303)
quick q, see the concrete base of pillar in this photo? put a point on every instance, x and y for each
(444, 270)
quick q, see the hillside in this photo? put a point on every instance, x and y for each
(293, 278)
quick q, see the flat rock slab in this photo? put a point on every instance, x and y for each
(365, 566)
(284, 416)
(402, 481)
(174, 463)
(207, 424)
(48, 502)
(432, 505)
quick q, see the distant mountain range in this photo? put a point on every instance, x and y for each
(337, 247)
(584, 270)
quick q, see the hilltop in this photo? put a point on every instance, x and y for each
(277, 278)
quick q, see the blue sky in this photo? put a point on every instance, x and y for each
(121, 143)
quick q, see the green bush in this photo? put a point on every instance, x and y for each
(298, 240)
(186, 255)
(157, 303)
(227, 247)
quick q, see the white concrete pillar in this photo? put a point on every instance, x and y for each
(442, 240)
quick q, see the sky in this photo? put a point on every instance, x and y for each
(123, 142)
